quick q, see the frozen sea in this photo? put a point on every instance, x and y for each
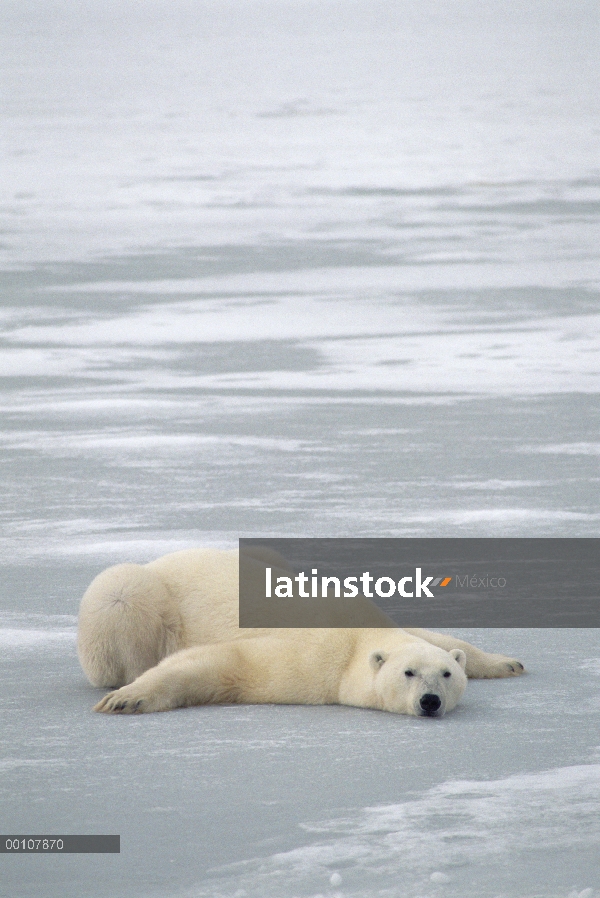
(296, 268)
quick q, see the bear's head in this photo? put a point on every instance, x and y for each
(419, 679)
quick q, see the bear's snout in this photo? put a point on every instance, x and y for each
(430, 704)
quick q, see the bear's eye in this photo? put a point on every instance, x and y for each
(409, 673)
(447, 673)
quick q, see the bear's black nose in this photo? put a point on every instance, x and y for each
(430, 703)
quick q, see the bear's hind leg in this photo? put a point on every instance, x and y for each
(127, 624)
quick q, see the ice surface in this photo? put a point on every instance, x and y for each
(500, 797)
(290, 268)
(468, 828)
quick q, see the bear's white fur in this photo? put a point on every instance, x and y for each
(167, 634)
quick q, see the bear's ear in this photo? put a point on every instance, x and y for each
(378, 659)
(459, 656)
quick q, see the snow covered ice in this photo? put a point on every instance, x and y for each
(297, 268)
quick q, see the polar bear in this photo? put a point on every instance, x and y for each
(165, 635)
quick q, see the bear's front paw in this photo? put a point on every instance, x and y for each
(127, 700)
(501, 666)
